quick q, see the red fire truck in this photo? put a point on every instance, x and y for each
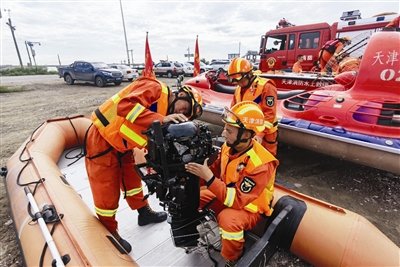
(280, 47)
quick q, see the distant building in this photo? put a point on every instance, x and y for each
(232, 56)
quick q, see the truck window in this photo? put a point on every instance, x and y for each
(309, 40)
(275, 43)
(291, 41)
(87, 66)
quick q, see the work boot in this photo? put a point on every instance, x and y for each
(123, 242)
(232, 263)
(148, 215)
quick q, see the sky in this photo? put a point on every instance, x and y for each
(94, 30)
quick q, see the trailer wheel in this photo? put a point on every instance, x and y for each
(99, 81)
(68, 79)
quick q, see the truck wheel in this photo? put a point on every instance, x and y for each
(169, 74)
(117, 83)
(99, 81)
(68, 79)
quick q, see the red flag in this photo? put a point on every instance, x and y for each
(196, 70)
(148, 64)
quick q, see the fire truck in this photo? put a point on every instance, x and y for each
(280, 47)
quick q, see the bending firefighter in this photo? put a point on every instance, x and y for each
(262, 92)
(116, 131)
(328, 56)
(241, 180)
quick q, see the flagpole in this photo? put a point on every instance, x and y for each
(148, 64)
(196, 58)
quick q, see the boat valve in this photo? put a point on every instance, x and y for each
(3, 171)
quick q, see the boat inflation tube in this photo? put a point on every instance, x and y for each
(49, 240)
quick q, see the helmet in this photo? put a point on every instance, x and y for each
(194, 98)
(346, 39)
(238, 68)
(245, 115)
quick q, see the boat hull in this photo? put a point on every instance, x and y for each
(79, 234)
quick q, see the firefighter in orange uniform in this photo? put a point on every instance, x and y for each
(262, 92)
(349, 63)
(394, 23)
(241, 181)
(329, 51)
(115, 132)
(297, 66)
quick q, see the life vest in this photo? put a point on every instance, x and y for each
(330, 46)
(121, 132)
(255, 94)
(233, 171)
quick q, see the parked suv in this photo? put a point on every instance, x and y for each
(217, 64)
(129, 73)
(168, 68)
(203, 67)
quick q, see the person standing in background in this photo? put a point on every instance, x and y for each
(297, 66)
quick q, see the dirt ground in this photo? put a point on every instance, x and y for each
(369, 192)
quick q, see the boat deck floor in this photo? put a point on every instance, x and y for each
(152, 245)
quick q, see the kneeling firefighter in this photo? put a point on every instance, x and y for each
(116, 131)
(241, 181)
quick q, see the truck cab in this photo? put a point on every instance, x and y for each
(280, 47)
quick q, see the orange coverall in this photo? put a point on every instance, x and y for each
(234, 218)
(107, 174)
(266, 98)
(349, 64)
(297, 67)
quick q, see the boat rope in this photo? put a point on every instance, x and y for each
(28, 160)
(81, 154)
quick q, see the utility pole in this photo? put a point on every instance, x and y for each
(31, 44)
(239, 49)
(131, 50)
(123, 23)
(12, 28)
(29, 56)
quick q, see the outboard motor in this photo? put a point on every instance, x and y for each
(170, 147)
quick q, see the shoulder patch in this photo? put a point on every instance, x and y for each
(270, 100)
(247, 185)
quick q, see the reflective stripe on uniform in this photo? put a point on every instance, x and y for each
(164, 89)
(133, 192)
(134, 113)
(115, 98)
(132, 135)
(105, 213)
(251, 207)
(230, 196)
(254, 158)
(231, 235)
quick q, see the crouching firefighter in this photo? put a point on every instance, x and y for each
(116, 131)
(240, 183)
